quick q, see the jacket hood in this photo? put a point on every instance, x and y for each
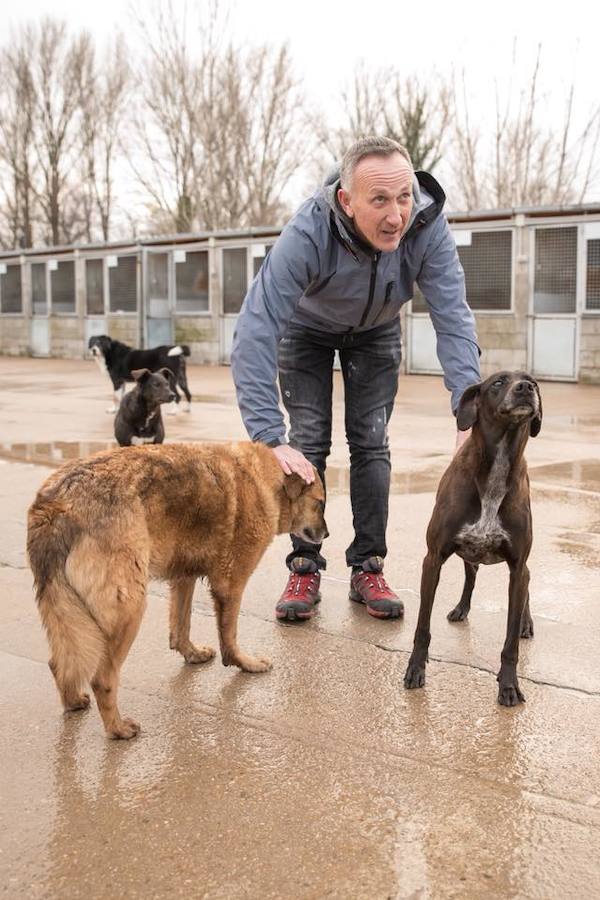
(428, 201)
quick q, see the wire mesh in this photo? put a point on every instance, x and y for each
(555, 281)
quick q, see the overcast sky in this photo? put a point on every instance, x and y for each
(327, 39)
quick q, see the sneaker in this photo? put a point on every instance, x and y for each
(368, 586)
(301, 593)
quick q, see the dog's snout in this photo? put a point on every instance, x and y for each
(524, 387)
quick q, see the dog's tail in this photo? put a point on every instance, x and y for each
(77, 643)
(179, 350)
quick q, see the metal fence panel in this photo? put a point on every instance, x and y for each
(235, 279)
(62, 287)
(94, 287)
(191, 282)
(555, 283)
(122, 285)
(11, 300)
(592, 290)
(39, 298)
(487, 264)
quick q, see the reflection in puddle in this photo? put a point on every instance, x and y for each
(54, 453)
(338, 481)
(583, 474)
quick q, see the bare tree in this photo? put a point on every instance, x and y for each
(218, 134)
(61, 67)
(414, 113)
(527, 162)
(17, 112)
(103, 94)
(418, 114)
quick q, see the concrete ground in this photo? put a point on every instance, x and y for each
(324, 777)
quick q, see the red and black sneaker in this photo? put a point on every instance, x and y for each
(368, 586)
(301, 593)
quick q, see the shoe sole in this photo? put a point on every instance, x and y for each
(392, 614)
(291, 614)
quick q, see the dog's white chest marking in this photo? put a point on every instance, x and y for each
(141, 440)
(480, 542)
(100, 362)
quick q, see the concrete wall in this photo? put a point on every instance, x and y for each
(589, 349)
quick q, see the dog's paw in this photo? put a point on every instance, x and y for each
(111, 409)
(124, 730)
(195, 655)
(526, 630)
(414, 677)
(249, 663)
(458, 614)
(510, 694)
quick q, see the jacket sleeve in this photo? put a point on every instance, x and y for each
(442, 282)
(290, 267)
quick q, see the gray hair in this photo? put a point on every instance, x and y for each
(368, 146)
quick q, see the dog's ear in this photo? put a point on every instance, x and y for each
(293, 485)
(468, 407)
(141, 375)
(535, 424)
(168, 374)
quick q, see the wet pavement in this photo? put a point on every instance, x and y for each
(322, 778)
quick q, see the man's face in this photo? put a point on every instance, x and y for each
(380, 200)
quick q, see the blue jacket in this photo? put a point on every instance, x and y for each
(320, 274)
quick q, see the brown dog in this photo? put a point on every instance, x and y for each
(482, 513)
(99, 528)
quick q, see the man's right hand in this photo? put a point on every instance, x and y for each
(292, 460)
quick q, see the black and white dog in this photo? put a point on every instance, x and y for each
(120, 361)
(139, 419)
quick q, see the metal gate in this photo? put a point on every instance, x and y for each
(555, 292)
(158, 297)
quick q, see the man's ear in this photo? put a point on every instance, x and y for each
(141, 375)
(293, 485)
(344, 201)
(535, 424)
(468, 407)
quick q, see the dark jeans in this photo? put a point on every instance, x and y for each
(370, 364)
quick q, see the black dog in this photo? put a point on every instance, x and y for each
(482, 513)
(120, 361)
(139, 420)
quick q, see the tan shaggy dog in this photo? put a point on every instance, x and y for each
(101, 527)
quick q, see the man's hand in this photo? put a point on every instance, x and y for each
(461, 437)
(292, 460)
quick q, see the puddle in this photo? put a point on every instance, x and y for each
(338, 481)
(54, 453)
(221, 399)
(583, 474)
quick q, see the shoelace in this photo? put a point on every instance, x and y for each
(295, 584)
(375, 582)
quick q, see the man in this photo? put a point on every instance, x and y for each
(335, 280)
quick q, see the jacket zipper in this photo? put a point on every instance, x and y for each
(374, 262)
(386, 300)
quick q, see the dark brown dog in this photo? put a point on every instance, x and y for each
(482, 513)
(99, 528)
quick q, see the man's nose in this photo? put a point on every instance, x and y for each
(394, 215)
